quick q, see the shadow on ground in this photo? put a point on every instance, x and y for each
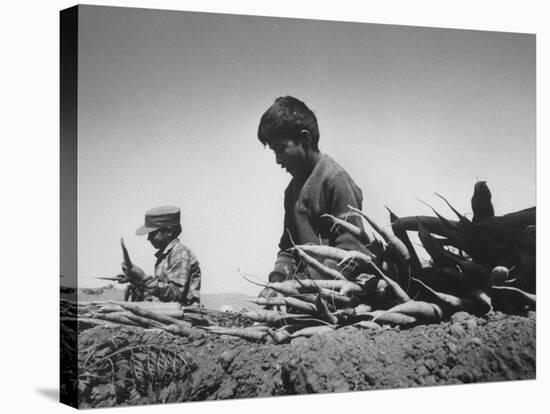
(49, 393)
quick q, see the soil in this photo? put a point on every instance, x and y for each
(464, 349)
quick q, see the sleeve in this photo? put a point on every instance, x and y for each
(284, 264)
(178, 274)
(342, 192)
(285, 243)
(283, 267)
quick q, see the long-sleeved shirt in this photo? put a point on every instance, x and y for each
(328, 190)
(177, 275)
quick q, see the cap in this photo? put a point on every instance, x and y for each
(159, 217)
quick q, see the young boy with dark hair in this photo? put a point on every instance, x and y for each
(177, 275)
(318, 186)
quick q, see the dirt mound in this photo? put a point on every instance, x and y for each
(463, 349)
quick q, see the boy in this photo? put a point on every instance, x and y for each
(177, 275)
(318, 186)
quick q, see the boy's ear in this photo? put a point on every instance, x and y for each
(305, 138)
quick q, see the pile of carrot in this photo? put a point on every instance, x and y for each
(480, 265)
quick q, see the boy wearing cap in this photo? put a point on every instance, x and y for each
(177, 275)
(318, 186)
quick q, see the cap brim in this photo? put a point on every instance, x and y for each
(144, 230)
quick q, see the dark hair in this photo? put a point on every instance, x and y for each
(176, 230)
(286, 118)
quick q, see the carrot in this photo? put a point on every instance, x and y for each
(392, 318)
(309, 297)
(455, 275)
(433, 247)
(268, 301)
(397, 251)
(145, 322)
(125, 254)
(297, 286)
(367, 281)
(159, 307)
(245, 333)
(432, 224)
(425, 312)
(336, 298)
(481, 202)
(114, 317)
(321, 268)
(323, 310)
(154, 316)
(350, 289)
(280, 336)
(181, 330)
(304, 304)
(529, 299)
(402, 235)
(267, 316)
(452, 303)
(368, 325)
(381, 288)
(481, 246)
(109, 309)
(286, 288)
(87, 321)
(326, 252)
(309, 285)
(301, 305)
(466, 224)
(481, 298)
(454, 234)
(498, 275)
(377, 247)
(313, 330)
(477, 272)
(260, 327)
(507, 229)
(362, 309)
(354, 230)
(397, 291)
(518, 219)
(395, 244)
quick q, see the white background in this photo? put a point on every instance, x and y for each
(30, 207)
(169, 103)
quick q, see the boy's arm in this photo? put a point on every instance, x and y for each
(284, 264)
(342, 192)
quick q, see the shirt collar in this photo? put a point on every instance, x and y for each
(168, 248)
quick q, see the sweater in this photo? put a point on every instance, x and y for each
(328, 189)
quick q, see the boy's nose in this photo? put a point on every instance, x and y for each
(278, 159)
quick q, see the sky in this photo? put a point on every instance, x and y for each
(169, 105)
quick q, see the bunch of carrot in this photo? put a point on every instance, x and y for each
(475, 266)
(488, 257)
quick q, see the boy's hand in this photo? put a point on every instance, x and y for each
(269, 293)
(122, 278)
(135, 274)
(276, 276)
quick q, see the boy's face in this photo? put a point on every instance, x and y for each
(289, 154)
(160, 238)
